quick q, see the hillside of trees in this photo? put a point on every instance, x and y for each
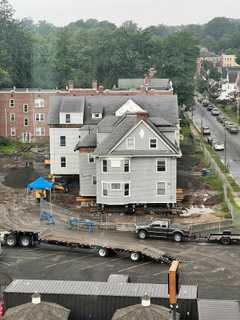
(42, 55)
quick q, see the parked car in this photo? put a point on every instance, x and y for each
(215, 112)
(218, 146)
(227, 123)
(210, 107)
(211, 140)
(206, 131)
(221, 118)
(162, 229)
(232, 128)
(205, 103)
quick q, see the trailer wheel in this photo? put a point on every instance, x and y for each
(25, 241)
(142, 234)
(225, 240)
(103, 252)
(11, 240)
(135, 256)
(177, 237)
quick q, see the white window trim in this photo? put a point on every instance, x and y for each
(65, 162)
(157, 165)
(115, 190)
(126, 172)
(38, 105)
(103, 195)
(37, 132)
(94, 184)
(95, 117)
(161, 195)
(150, 144)
(62, 146)
(9, 103)
(10, 116)
(26, 125)
(133, 143)
(68, 122)
(129, 195)
(13, 130)
(25, 104)
(104, 172)
(39, 115)
(92, 156)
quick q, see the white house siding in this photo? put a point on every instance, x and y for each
(143, 180)
(142, 135)
(76, 118)
(56, 151)
(87, 171)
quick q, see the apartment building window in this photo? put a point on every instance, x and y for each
(39, 103)
(62, 141)
(13, 132)
(105, 189)
(126, 165)
(11, 103)
(26, 122)
(161, 188)
(40, 132)
(63, 162)
(161, 165)
(126, 189)
(153, 144)
(91, 158)
(12, 117)
(104, 166)
(39, 117)
(25, 108)
(94, 180)
(68, 118)
(130, 143)
(116, 186)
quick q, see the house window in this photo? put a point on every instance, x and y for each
(130, 143)
(26, 122)
(94, 180)
(161, 165)
(40, 132)
(11, 103)
(104, 166)
(153, 144)
(126, 189)
(126, 165)
(62, 141)
(12, 117)
(68, 118)
(105, 189)
(161, 189)
(96, 115)
(91, 158)
(63, 162)
(116, 186)
(25, 108)
(13, 132)
(39, 117)
(39, 103)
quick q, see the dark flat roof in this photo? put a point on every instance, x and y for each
(218, 310)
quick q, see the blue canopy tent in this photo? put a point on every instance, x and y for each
(40, 184)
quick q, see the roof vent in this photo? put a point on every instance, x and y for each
(146, 301)
(36, 298)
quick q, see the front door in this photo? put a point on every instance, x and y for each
(26, 137)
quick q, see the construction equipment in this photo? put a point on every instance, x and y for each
(173, 286)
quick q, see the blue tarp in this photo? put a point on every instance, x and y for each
(40, 183)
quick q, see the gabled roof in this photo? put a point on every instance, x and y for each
(129, 106)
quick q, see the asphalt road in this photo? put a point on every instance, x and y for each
(203, 117)
(214, 268)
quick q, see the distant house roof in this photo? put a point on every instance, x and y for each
(218, 309)
(72, 104)
(40, 311)
(155, 83)
(165, 107)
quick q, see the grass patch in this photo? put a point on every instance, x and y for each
(8, 149)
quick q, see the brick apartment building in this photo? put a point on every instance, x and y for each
(23, 112)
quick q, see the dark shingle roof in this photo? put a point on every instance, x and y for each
(97, 288)
(72, 104)
(126, 84)
(43, 310)
(90, 140)
(218, 309)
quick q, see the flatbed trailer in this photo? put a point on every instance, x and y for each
(104, 247)
(227, 237)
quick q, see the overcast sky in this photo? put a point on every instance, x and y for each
(144, 12)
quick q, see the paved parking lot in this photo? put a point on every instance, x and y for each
(214, 268)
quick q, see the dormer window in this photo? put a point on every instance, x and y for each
(68, 118)
(153, 144)
(96, 115)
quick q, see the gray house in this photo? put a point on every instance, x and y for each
(128, 150)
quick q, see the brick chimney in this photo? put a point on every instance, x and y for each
(70, 85)
(94, 85)
(142, 115)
